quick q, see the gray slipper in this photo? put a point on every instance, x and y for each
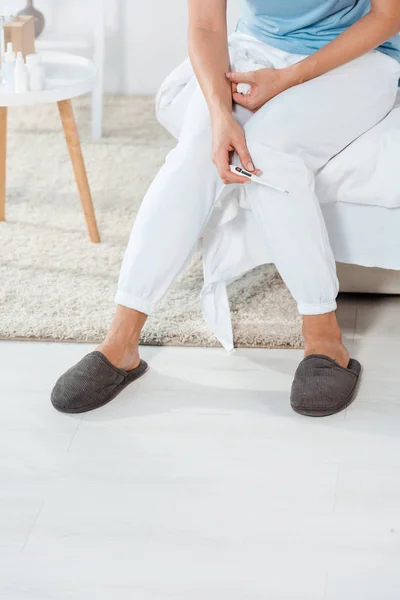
(321, 387)
(91, 383)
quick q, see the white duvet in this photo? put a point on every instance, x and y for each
(368, 170)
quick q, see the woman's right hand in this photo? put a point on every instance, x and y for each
(228, 136)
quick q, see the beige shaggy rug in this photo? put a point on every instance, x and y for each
(56, 285)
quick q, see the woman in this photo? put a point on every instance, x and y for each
(336, 75)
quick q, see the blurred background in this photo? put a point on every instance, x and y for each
(144, 41)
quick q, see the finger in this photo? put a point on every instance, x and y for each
(222, 163)
(244, 155)
(243, 100)
(229, 177)
(241, 77)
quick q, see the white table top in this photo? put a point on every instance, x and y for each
(67, 76)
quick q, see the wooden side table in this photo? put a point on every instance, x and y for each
(67, 76)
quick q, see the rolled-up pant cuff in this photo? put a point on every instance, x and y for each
(317, 309)
(141, 305)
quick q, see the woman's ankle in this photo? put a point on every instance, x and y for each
(322, 335)
(119, 355)
(322, 326)
(121, 345)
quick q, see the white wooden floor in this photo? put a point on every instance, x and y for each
(199, 482)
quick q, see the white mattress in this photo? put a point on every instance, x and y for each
(364, 235)
(368, 234)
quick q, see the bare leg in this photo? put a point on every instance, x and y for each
(121, 345)
(322, 335)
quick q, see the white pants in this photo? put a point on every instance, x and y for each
(290, 138)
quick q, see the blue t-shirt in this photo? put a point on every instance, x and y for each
(303, 26)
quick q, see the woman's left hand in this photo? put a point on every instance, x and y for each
(265, 84)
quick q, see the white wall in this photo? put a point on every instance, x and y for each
(146, 39)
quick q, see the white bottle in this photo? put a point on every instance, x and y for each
(9, 71)
(6, 18)
(37, 75)
(21, 75)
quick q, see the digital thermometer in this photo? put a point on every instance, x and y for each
(256, 178)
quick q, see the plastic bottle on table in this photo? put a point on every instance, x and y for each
(9, 68)
(21, 75)
(36, 70)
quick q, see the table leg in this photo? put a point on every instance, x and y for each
(3, 161)
(75, 152)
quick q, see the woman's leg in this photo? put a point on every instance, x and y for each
(165, 233)
(290, 139)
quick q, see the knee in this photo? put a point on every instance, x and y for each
(277, 128)
(196, 149)
(196, 144)
(275, 138)
(282, 159)
(196, 132)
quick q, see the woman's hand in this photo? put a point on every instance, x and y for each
(265, 84)
(228, 136)
(373, 29)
